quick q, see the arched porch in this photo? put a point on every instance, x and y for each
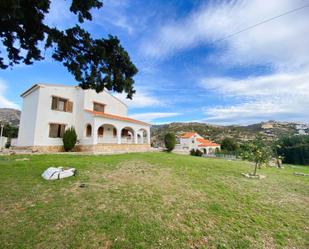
(107, 134)
(142, 136)
(127, 135)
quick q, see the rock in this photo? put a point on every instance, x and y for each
(300, 174)
(22, 159)
(248, 175)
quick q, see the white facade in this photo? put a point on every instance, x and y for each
(38, 115)
(192, 140)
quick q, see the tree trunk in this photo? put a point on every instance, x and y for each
(255, 168)
(278, 162)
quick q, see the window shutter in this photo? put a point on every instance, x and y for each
(62, 129)
(54, 103)
(69, 106)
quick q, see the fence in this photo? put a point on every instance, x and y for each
(223, 156)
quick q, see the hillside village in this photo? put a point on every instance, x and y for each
(270, 130)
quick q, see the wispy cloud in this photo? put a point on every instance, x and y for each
(141, 99)
(279, 96)
(4, 102)
(114, 13)
(152, 116)
(282, 42)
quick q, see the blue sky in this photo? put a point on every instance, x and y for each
(184, 73)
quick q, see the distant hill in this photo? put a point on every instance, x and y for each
(10, 116)
(270, 130)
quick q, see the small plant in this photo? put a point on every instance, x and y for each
(192, 152)
(258, 152)
(7, 144)
(196, 152)
(170, 141)
(69, 139)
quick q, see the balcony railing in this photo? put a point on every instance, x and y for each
(107, 140)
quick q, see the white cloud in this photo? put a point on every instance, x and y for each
(279, 96)
(4, 102)
(281, 43)
(277, 84)
(140, 100)
(59, 15)
(115, 14)
(150, 116)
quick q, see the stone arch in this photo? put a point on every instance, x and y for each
(107, 133)
(142, 136)
(127, 135)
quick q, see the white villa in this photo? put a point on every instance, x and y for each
(191, 140)
(101, 120)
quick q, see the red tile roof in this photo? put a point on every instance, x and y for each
(112, 116)
(206, 143)
(188, 134)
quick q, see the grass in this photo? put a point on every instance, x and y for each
(151, 200)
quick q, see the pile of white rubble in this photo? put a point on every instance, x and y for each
(53, 173)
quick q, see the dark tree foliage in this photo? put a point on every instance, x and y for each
(229, 145)
(170, 141)
(10, 131)
(69, 139)
(95, 63)
(196, 152)
(294, 149)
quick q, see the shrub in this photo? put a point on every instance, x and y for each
(229, 145)
(69, 139)
(198, 153)
(8, 144)
(194, 152)
(170, 141)
(294, 149)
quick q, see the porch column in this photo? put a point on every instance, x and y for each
(118, 135)
(95, 132)
(148, 135)
(135, 137)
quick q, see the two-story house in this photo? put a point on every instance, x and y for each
(101, 120)
(192, 140)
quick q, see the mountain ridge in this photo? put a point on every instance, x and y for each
(10, 116)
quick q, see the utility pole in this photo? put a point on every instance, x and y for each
(1, 137)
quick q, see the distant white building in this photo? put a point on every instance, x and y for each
(100, 120)
(191, 140)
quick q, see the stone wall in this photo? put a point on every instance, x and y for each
(99, 148)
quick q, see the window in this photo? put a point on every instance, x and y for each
(56, 130)
(114, 132)
(61, 104)
(97, 107)
(88, 130)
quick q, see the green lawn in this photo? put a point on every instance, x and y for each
(151, 200)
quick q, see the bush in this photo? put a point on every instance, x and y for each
(194, 152)
(198, 153)
(229, 145)
(7, 144)
(69, 139)
(294, 149)
(170, 141)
